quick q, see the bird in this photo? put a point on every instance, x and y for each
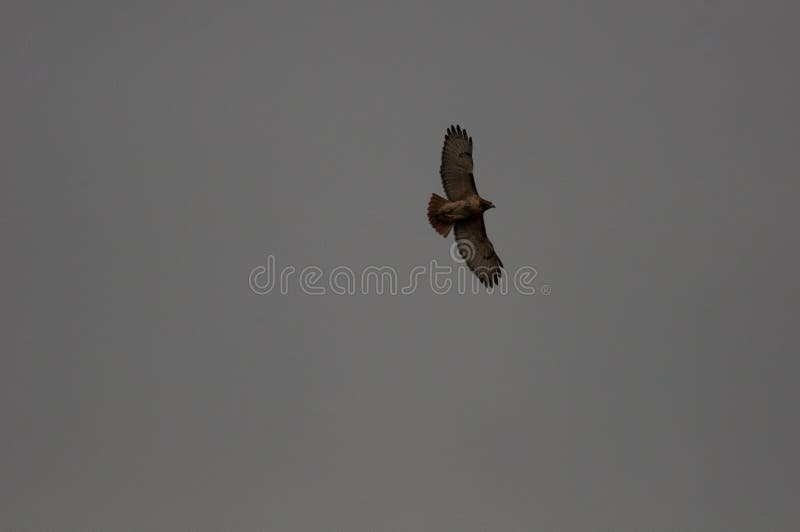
(463, 209)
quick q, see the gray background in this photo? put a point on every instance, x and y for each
(642, 157)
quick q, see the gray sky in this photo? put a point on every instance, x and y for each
(643, 158)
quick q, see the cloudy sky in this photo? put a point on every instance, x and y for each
(643, 159)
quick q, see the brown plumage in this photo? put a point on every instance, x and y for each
(463, 209)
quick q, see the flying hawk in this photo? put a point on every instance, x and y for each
(464, 208)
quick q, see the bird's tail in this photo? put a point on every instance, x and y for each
(442, 227)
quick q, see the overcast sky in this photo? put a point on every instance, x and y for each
(643, 159)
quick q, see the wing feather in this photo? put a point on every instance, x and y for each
(477, 250)
(457, 168)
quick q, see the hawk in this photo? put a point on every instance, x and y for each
(463, 209)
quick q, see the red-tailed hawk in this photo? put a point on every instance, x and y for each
(464, 208)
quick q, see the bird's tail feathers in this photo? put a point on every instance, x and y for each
(441, 227)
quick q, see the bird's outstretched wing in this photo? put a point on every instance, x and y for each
(477, 251)
(456, 169)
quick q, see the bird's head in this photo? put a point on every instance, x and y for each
(486, 205)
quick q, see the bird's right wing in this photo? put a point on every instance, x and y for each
(457, 169)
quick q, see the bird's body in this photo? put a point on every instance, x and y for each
(449, 212)
(463, 209)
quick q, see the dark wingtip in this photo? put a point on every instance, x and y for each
(458, 131)
(489, 280)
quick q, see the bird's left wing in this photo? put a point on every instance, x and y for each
(477, 251)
